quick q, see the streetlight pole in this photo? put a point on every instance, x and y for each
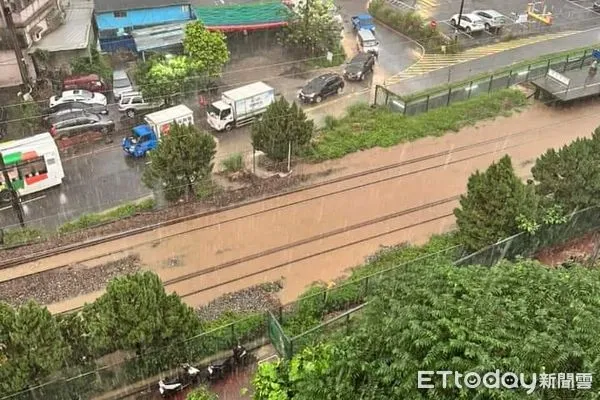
(460, 12)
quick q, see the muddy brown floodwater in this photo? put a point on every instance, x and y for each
(317, 234)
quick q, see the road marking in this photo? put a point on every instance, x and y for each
(433, 62)
(25, 202)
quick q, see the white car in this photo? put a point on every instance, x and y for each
(79, 96)
(121, 83)
(468, 22)
(492, 19)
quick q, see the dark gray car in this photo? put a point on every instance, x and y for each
(80, 122)
(51, 115)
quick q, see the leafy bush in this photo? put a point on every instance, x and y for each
(365, 127)
(414, 26)
(233, 163)
(90, 220)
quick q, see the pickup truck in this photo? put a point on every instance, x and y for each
(145, 137)
(363, 21)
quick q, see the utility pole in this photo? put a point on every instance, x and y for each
(14, 196)
(457, 27)
(10, 24)
(460, 12)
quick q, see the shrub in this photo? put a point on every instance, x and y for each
(233, 163)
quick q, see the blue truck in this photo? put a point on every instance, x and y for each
(363, 21)
(145, 137)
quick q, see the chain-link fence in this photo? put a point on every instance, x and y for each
(143, 371)
(443, 97)
(526, 244)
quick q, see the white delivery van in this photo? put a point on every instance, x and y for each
(240, 106)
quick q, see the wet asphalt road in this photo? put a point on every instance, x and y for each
(103, 180)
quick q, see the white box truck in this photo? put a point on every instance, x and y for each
(145, 137)
(240, 106)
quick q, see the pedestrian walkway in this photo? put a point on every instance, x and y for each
(433, 62)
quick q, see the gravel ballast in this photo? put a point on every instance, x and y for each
(65, 283)
(251, 300)
(260, 188)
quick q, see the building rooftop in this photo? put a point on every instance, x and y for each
(73, 34)
(101, 6)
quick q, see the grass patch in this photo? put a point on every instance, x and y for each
(90, 220)
(364, 127)
(339, 57)
(414, 26)
(233, 163)
(15, 237)
(553, 58)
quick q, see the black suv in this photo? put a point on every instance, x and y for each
(359, 66)
(320, 87)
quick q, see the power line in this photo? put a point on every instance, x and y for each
(518, 133)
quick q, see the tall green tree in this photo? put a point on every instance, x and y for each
(136, 313)
(311, 29)
(182, 161)
(32, 343)
(522, 318)
(163, 78)
(281, 125)
(206, 50)
(570, 176)
(495, 201)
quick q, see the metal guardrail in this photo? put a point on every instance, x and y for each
(450, 94)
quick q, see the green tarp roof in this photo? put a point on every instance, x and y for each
(242, 14)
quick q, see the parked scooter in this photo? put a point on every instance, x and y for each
(189, 375)
(219, 369)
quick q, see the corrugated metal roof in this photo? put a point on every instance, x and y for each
(158, 37)
(243, 14)
(123, 5)
(73, 34)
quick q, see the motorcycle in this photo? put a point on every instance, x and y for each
(170, 386)
(219, 369)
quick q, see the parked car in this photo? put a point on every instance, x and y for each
(366, 42)
(468, 22)
(359, 66)
(80, 122)
(596, 6)
(80, 96)
(492, 19)
(132, 103)
(65, 108)
(321, 87)
(91, 82)
(121, 83)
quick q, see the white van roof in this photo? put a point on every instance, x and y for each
(247, 91)
(169, 114)
(366, 34)
(42, 139)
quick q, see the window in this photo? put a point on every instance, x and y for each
(120, 14)
(137, 100)
(33, 167)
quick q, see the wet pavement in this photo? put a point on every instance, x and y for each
(106, 178)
